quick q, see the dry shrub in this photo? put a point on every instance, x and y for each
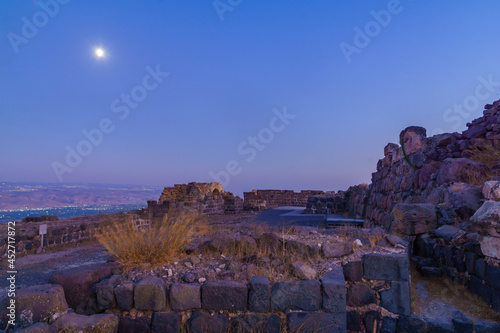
(486, 154)
(376, 236)
(156, 244)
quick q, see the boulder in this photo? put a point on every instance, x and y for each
(336, 250)
(224, 242)
(150, 294)
(105, 292)
(99, 323)
(447, 232)
(413, 219)
(248, 245)
(463, 170)
(464, 199)
(37, 303)
(491, 190)
(414, 138)
(490, 247)
(303, 271)
(486, 220)
(78, 285)
(270, 242)
(301, 249)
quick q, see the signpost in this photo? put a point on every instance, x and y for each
(43, 231)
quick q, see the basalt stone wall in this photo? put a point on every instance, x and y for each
(446, 170)
(335, 203)
(265, 199)
(372, 291)
(208, 198)
(460, 256)
(190, 192)
(29, 241)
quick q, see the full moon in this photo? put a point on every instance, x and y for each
(99, 52)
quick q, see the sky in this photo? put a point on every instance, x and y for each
(282, 94)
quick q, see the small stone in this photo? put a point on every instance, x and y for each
(195, 260)
(189, 277)
(303, 271)
(202, 280)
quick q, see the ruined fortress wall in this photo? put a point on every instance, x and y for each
(190, 192)
(265, 199)
(208, 198)
(446, 170)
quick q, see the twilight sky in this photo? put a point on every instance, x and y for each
(257, 94)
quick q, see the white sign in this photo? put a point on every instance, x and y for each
(43, 229)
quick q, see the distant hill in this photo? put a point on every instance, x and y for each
(38, 195)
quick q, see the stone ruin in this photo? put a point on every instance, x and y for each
(209, 198)
(265, 199)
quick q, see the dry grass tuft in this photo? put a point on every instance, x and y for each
(486, 154)
(376, 236)
(156, 244)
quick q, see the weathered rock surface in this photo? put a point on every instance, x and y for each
(124, 295)
(303, 295)
(37, 303)
(463, 170)
(185, 296)
(99, 323)
(336, 250)
(78, 285)
(318, 322)
(150, 294)
(303, 271)
(396, 299)
(249, 323)
(360, 295)
(132, 325)
(224, 295)
(395, 267)
(334, 291)
(202, 322)
(259, 295)
(105, 291)
(486, 219)
(165, 322)
(491, 190)
(413, 219)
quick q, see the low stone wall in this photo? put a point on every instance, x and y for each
(335, 203)
(29, 241)
(369, 295)
(459, 255)
(265, 199)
